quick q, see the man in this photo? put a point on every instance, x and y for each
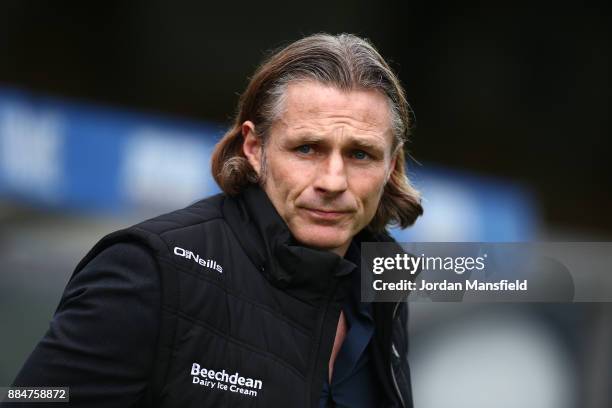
(251, 297)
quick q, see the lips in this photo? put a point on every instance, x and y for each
(326, 214)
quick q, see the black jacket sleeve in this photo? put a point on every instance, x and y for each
(102, 339)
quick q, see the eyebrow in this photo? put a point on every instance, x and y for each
(307, 138)
(310, 138)
(367, 144)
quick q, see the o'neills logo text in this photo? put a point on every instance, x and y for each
(220, 380)
(208, 263)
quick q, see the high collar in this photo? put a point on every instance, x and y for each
(308, 273)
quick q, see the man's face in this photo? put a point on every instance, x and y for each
(327, 160)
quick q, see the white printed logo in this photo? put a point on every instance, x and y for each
(207, 263)
(220, 380)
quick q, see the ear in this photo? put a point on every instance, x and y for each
(391, 167)
(251, 146)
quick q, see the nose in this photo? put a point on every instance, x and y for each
(332, 177)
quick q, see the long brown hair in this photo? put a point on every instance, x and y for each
(344, 61)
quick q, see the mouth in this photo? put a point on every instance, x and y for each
(326, 214)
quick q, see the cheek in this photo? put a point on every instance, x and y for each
(290, 177)
(368, 186)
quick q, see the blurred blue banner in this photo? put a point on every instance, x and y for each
(84, 157)
(73, 156)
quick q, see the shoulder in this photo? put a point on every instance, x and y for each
(194, 215)
(159, 235)
(116, 271)
(159, 232)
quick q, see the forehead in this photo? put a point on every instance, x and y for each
(312, 105)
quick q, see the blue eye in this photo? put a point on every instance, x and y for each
(305, 149)
(360, 155)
